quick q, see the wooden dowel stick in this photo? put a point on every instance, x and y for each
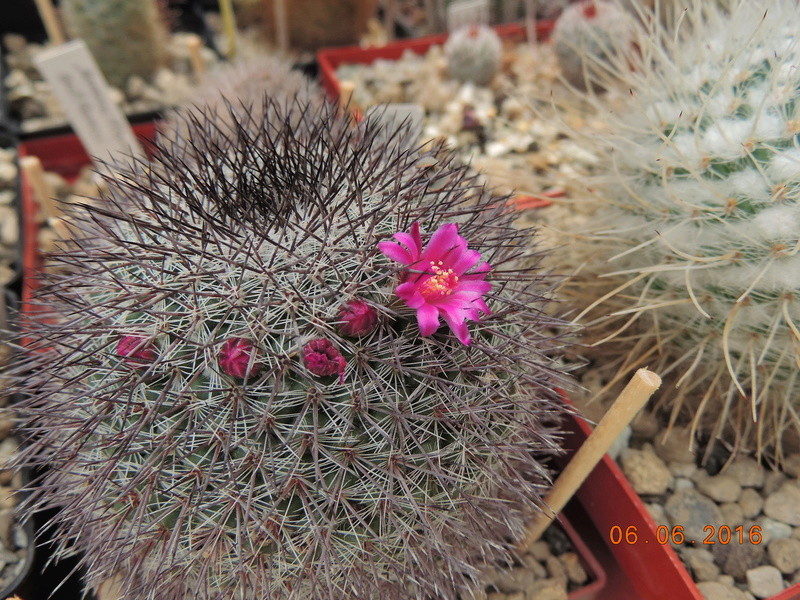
(228, 26)
(388, 18)
(195, 44)
(530, 22)
(281, 25)
(42, 190)
(346, 90)
(51, 23)
(635, 395)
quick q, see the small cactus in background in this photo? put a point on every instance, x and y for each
(698, 205)
(589, 34)
(126, 37)
(473, 54)
(303, 363)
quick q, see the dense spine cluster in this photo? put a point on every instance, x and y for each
(234, 400)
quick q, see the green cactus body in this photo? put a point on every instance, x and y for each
(473, 54)
(213, 428)
(699, 200)
(126, 37)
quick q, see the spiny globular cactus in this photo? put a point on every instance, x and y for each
(699, 212)
(305, 363)
(473, 54)
(126, 37)
(589, 34)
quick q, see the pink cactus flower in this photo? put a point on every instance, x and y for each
(236, 358)
(357, 318)
(445, 279)
(136, 350)
(322, 358)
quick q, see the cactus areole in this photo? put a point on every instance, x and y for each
(298, 424)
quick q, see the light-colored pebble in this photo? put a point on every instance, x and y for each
(556, 569)
(773, 481)
(701, 563)
(658, 513)
(682, 469)
(720, 488)
(713, 590)
(747, 472)
(751, 503)
(693, 511)
(784, 555)
(547, 590)
(784, 504)
(676, 446)
(575, 571)
(646, 472)
(773, 529)
(539, 550)
(764, 581)
(682, 483)
(732, 514)
(791, 466)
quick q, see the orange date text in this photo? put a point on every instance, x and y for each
(722, 534)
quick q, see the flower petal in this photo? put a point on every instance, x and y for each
(443, 240)
(395, 252)
(410, 242)
(475, 286)
(465, 261)
(410, 293)
(459, 327)
(478, 272)
(428, 319)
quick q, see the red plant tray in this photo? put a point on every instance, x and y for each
(65, 155)
(329, 59)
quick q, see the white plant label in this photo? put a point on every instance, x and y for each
(467, 12)
(392, 116)
(77, 82)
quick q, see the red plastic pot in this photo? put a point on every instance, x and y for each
(65, 155)
(329, 59)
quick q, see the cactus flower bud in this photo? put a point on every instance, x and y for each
(236, 358)
(357, 318)
(136, 349)
(321, 357)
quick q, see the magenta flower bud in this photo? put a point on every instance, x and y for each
(236, 358)
(357, 318)
(136, 349)
(321, 357)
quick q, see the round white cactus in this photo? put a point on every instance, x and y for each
(589, 34)
(698, 212)
(473, 54)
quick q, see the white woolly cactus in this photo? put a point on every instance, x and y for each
(589, 33)
(699, 187)
(473, 54)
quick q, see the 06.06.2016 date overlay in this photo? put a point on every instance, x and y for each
(721, 534)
